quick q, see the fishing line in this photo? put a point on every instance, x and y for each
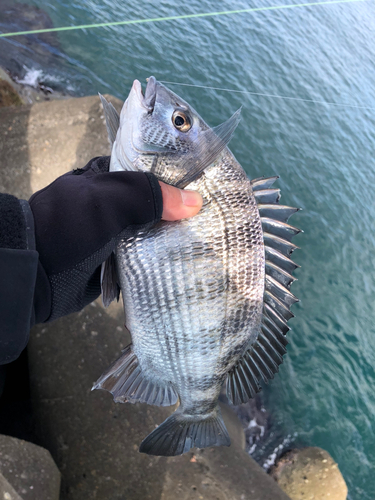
(175, 18)
(268, 95)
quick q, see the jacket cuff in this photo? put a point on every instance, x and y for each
(158, 197)
(18, 270)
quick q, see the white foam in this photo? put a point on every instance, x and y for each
(253, 423)
(276, 452)
(31, 78)
(252, 449)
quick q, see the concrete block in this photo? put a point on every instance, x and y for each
(29, 469)
(7, 492)
(46, 140)
(95, 441)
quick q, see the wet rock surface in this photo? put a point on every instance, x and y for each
(29, 470)
(94, 441)
(254, 419)
(8, 95)
(310, 474)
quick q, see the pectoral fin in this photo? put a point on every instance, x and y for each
(206, 150)
(108, 281)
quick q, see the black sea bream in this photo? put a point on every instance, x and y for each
(206, 299)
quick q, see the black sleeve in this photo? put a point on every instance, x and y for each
(51, 247)
(18, 269)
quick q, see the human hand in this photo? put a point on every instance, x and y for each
(80, 217)
(179, 203)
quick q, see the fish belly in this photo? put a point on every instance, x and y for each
(193, 289)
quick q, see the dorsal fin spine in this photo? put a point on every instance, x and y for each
(112, 119)
(274, 340)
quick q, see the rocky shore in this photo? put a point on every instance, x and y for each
(94, 442)
(13, 93)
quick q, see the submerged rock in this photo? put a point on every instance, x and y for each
(309, 474)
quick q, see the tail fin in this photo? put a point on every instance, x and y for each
(180, 432)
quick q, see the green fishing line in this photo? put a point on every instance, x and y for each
(176, 18)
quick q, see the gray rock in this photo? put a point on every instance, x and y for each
(14, 176)
(29, 469)
(7, 492)
(94, 441)
(311, 474)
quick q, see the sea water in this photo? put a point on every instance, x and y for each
(324, 154)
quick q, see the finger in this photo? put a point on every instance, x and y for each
(179, 203)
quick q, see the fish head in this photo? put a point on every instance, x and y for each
(162, 133)
(171, 124)
(155, 122)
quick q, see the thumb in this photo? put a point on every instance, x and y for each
(179, 203)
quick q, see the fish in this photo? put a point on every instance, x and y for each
(206, 299)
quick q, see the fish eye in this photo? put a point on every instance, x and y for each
(181, 121)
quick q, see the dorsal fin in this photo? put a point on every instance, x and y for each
(112, 119)
(267, 195)
(261, 361)
(263, 182)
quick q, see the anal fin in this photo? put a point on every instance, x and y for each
(127, 383)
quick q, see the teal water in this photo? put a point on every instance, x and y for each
(324, 154)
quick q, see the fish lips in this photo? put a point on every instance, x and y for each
(147, 101)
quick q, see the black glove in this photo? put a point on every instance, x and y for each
(78, 219)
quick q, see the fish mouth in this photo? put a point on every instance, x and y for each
(147, 99)
(150, 93)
